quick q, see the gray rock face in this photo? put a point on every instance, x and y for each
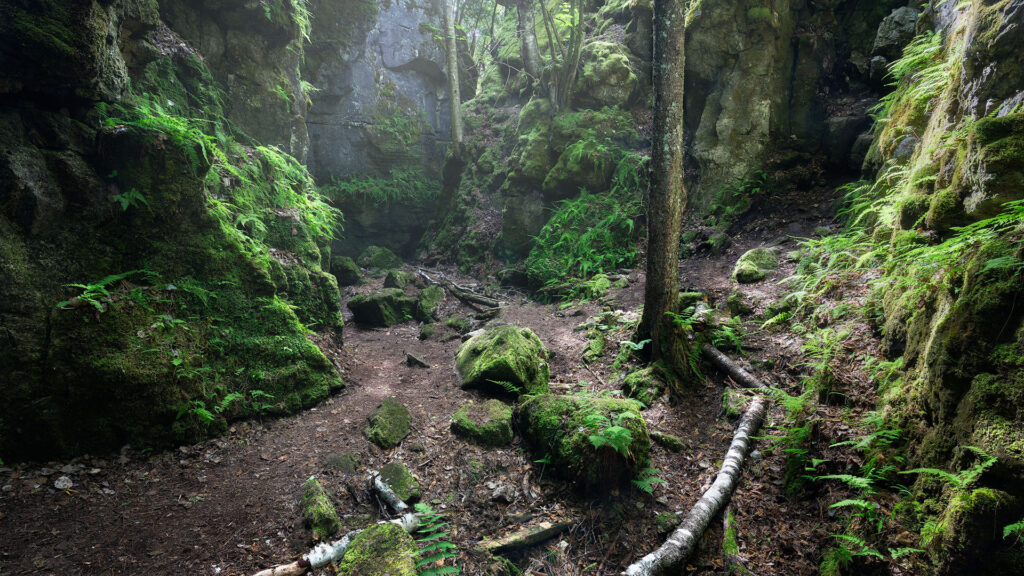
(382, 100)
(894, 33)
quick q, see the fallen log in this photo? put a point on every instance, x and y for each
(524, 537)
(463, 293)
(332, 552)
(725, 364)
(681, 542)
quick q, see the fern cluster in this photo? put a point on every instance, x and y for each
(436, 549)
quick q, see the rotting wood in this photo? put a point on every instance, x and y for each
(332, 552)
(524, 537)
(472, 299)
(681, 542)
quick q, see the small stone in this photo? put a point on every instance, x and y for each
(504, 494)
(411, 359)
(63, 483)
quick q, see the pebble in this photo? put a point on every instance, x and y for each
(63, 483)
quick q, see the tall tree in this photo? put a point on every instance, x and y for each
(452, 61)
(527, 28)
(667, 194)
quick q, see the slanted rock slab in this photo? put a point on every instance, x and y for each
(405, 485)
(381, 549)
(389, 424)
(754, 265)
(504, 354)
(385, 307)
(488, 424)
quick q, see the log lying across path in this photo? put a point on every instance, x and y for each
(681, 542)
(472, 299)
(331, 552)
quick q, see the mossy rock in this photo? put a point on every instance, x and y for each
(380, 550)
(398, 279)
(508, 354)
(687, 299)
(389, 424)
(643, 385)
(595, 347)
(458, 323)
(385, 307)
(428, 303)
(666, 522)
(754, 265)
(737, 304)
(346, 463)
(668, 441)
(969, 539)
(427, 330)
(378, 258)
(318, 511)
(346, 271)
(732, 399)
(487, 424)
(561, 427)
(607, 77)
(405, 485)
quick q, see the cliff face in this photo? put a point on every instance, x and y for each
(158, 261)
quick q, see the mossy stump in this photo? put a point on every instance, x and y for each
(405, 485)
(389, 424)
(380, 550)
(754, 265)
(428, 303)
(318, 511)
(507, 354)
(568, 430)
(383, 308)
(487, 424)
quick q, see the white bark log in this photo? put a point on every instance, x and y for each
(723, 363)
(680, 543)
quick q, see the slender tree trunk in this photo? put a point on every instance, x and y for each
(455, 99)
(528, 38)
(667, 195)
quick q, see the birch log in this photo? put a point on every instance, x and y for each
(723, 363)
(680, 543)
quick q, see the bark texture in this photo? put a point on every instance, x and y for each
(528, 37)
(680, 543)
(452, 62)
(667, 195)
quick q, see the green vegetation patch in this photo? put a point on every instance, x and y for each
(754, 265)
(504, 360)
(346, 271)
(401, 187)
(378, 258)
(389, 424)
(644, 385)
(398, 279)
(405, 485)
(380, 549)
(487, 424)
(428, 303)
(318, 511)
(598, 443)
(383, 308)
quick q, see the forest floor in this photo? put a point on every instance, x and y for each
(231, 505)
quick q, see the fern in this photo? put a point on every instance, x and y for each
(647, 478)
(858, 482)
(963, 478)
(435, 548)
(1016, 528)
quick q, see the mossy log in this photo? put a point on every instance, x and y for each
(524, 537)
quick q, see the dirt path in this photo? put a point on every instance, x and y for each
(230, 505)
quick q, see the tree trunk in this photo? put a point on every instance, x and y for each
(680, 543)
(667, 195)
(530, 51)
(454, 98)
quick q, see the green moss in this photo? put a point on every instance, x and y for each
(346, 271)
(383, 549)
(561, 427)
(754, 265)
(596, 345)
(346, 463)
(389, 424)
(428, 303)
(644, 385)
(385, 307)
(318, 511)
(378, 258)
(668, 441)
(607, 77)
(397, 279)
(427, 330)
(395, 475)
(487, 424)
(966, 541)
(458, 323)
(737, 304)
(666, 522)
(504, 354)
(945, 210)
(911, 209)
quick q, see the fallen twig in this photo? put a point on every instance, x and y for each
(524, 537)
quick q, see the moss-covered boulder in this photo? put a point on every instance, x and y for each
(389, 424)
(385, 307)
(397, 279)
(346, 271)
(970, 540)
(607, 78)
(318, 511)
(488, 424)
(503, 360)
(378, 258)
(644, 385)
(405, 485)
(598, 443)
(428, 303)
(345, 463)
(754, 265)
(380, 550)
